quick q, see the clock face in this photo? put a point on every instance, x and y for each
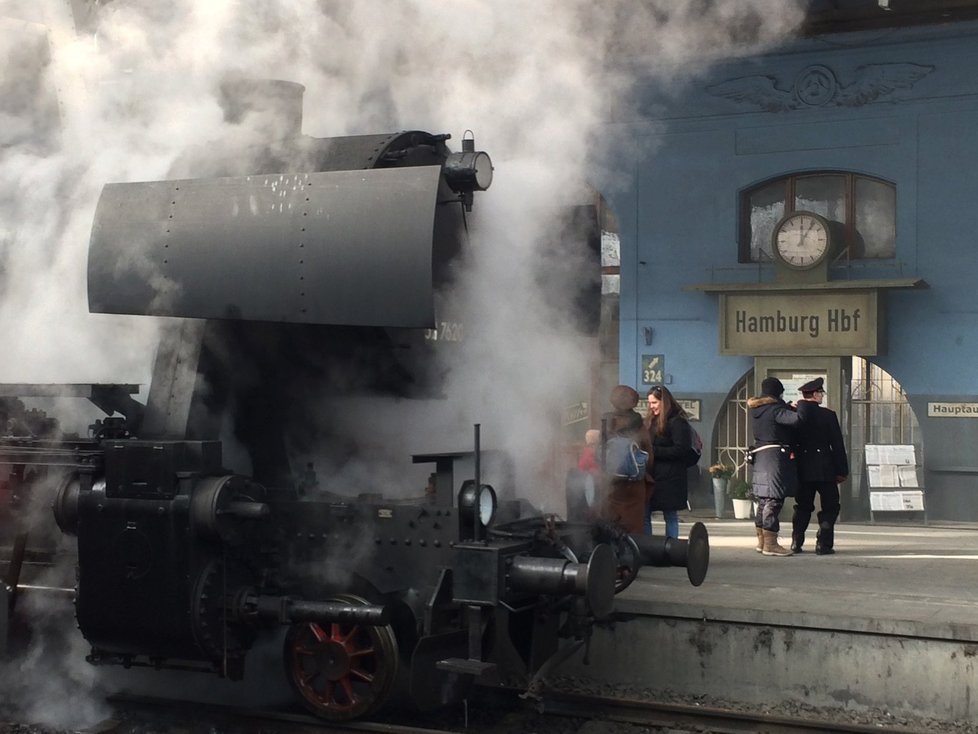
(802, 239)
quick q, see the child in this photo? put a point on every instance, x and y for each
(588, 460)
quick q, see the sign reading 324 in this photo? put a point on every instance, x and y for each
(653, 369)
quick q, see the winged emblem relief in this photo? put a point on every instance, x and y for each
(817, 86)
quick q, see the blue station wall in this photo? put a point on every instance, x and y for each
(685, 159)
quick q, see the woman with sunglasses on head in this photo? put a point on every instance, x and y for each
(672, 443)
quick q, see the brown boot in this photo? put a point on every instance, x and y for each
(771, 546)
(760, 539)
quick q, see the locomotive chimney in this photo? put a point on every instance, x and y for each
(272, 107)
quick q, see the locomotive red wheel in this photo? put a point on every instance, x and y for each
(341, 670)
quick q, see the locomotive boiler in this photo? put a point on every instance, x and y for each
(297, 270)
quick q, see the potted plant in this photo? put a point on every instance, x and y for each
(721, 471)
(740, 493)
(721, 474)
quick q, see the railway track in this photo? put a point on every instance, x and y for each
(694, 718)
(219, 718)
(498, 713)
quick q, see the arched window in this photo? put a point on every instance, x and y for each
(864, 206)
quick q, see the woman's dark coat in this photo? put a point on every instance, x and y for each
(670, 453)
(774, 424)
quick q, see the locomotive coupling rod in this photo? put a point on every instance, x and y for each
(288, 610)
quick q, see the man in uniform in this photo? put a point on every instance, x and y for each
(822, 466)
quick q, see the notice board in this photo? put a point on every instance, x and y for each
(893, 478)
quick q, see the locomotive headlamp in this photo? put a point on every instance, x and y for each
(468, 171)
(481, 508)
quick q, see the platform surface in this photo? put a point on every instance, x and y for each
(898, 579)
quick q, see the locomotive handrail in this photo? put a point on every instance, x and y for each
(288, 609)
(78, 458)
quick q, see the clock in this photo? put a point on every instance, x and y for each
(802, 240)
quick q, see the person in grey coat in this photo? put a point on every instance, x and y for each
(822, 466)
(774, 424)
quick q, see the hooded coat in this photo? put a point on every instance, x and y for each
(774, 424)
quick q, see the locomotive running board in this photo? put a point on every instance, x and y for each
(465, 666)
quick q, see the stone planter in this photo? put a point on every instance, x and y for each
(742, 509)
(719, 495)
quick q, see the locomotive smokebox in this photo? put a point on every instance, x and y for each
(339, 247)
(353, 231)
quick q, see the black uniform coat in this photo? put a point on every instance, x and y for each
(669, 455)
(774, 423)
(821, 454)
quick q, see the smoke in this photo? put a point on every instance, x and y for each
(96, 92)
(538, 83)
(119, 90)
(38, 686)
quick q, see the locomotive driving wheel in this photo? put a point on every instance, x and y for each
(341, 670)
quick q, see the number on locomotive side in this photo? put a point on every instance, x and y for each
(451, 331)
(448, 331)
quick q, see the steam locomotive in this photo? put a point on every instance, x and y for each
(299, 269)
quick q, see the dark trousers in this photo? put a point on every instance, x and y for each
(828, 493)
(768, 513)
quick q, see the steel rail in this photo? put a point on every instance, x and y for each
(652, 713)
(256, 720)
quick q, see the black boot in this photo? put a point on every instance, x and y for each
(824, 541)
(799, 523)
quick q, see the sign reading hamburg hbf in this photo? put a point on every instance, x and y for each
(827, 323)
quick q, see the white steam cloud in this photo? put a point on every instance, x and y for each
(96, 92)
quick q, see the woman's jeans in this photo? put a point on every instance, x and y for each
(671, 518)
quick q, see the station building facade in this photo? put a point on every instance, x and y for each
(812, 209)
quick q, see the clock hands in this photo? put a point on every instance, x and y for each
(801, 240)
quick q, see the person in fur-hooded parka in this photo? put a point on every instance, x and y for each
(774, 477)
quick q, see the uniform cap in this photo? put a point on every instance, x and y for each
(813, 385)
